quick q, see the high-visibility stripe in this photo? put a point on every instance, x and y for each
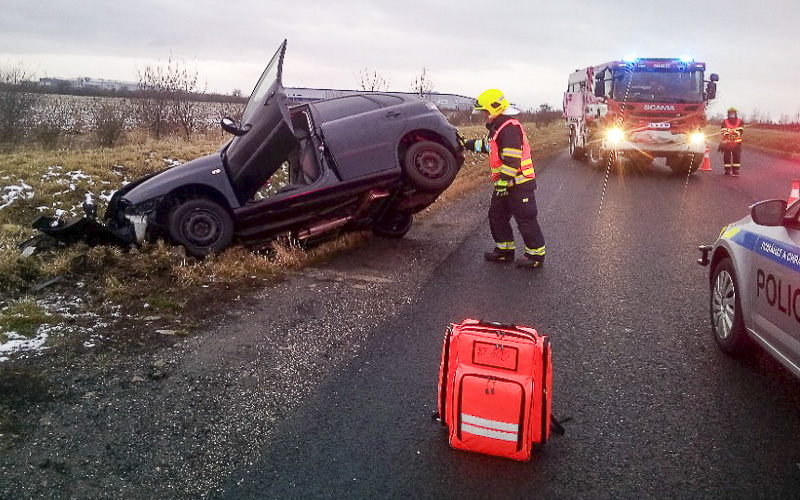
(534, 251)
(505, 169)
(505, 245)
(521, 180)
(480, 431)
(527, 162)
(489, 424)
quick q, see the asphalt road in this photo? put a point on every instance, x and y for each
(658, 410)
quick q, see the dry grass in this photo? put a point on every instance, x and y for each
(773, 141)
(159, 275)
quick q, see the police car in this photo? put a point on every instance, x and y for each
(755, 282)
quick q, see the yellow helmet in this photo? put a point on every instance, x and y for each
(732, 110)
(492, 101)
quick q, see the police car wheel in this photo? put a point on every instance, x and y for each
(726, 309)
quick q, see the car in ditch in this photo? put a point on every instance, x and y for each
(755, 282)
(363, 161)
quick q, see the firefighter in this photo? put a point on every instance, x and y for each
(514, 181)
(731, 144)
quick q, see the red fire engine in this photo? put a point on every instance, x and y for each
(639, 109)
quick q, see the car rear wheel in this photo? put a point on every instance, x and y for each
(201, 226)
(430, 166)
(726, 309)
(393, 225)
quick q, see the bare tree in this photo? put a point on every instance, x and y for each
(422, 84)
(155, 84)
(16, 101)
(372, 81)
(109, 117)
(184, 107)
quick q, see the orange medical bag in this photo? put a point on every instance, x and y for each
(494, 388)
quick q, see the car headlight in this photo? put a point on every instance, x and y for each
(615, 135)
(697, 138)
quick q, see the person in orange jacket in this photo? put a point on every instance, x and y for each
(514, 181)
(731, 144)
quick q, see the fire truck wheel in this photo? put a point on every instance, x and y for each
(687, 165)
(576, 152)
(596, 158)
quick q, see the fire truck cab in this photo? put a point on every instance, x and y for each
(638, 110)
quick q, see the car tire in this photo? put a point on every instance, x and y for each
(575, 152)
(393, 225)
(430, 166)
(202, 226)
(725, 306)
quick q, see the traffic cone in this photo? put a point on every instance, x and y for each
(706, 162)
(795, 194)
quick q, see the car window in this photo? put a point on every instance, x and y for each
(344, 106)
(793, 214)
(387, 100)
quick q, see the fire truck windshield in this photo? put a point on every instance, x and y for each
(658, 85)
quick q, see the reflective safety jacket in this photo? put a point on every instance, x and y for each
(732, 131)
(500, 159)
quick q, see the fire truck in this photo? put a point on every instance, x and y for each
(638, 109)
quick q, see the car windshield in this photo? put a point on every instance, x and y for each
(650, 85)
(266, 82)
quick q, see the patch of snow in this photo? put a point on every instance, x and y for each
(17, 343)
(171, 162)
(12, 193)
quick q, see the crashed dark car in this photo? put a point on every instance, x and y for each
(365, 161)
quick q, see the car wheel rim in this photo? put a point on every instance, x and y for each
(723, 305)
(201, 228)
(431, 164)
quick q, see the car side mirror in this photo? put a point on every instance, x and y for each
(229, 125)
(769, 212)
(714, 77)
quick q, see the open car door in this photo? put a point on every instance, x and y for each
(265, 135)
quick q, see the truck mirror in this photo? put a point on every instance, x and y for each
(714, 77)
(711, 90)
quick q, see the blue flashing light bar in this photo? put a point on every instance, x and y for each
(629, 58)
(687, 59)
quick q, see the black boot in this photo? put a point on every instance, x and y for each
(531, 261)
(727, 170)
(498, 255)
(735, 172)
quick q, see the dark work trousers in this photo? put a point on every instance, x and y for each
(520, 202)
(732, 154)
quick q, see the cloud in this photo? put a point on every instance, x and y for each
(526, 48)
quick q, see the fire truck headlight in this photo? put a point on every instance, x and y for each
(615, 135)
(697, 138)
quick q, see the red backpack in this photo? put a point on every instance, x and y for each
(494, 388)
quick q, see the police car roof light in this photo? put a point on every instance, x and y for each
(629, 58)
(687, 59)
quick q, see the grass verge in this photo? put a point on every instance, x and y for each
(155, 277)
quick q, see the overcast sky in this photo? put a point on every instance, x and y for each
(525, 48)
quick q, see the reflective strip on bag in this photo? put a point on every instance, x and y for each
(493, 429)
